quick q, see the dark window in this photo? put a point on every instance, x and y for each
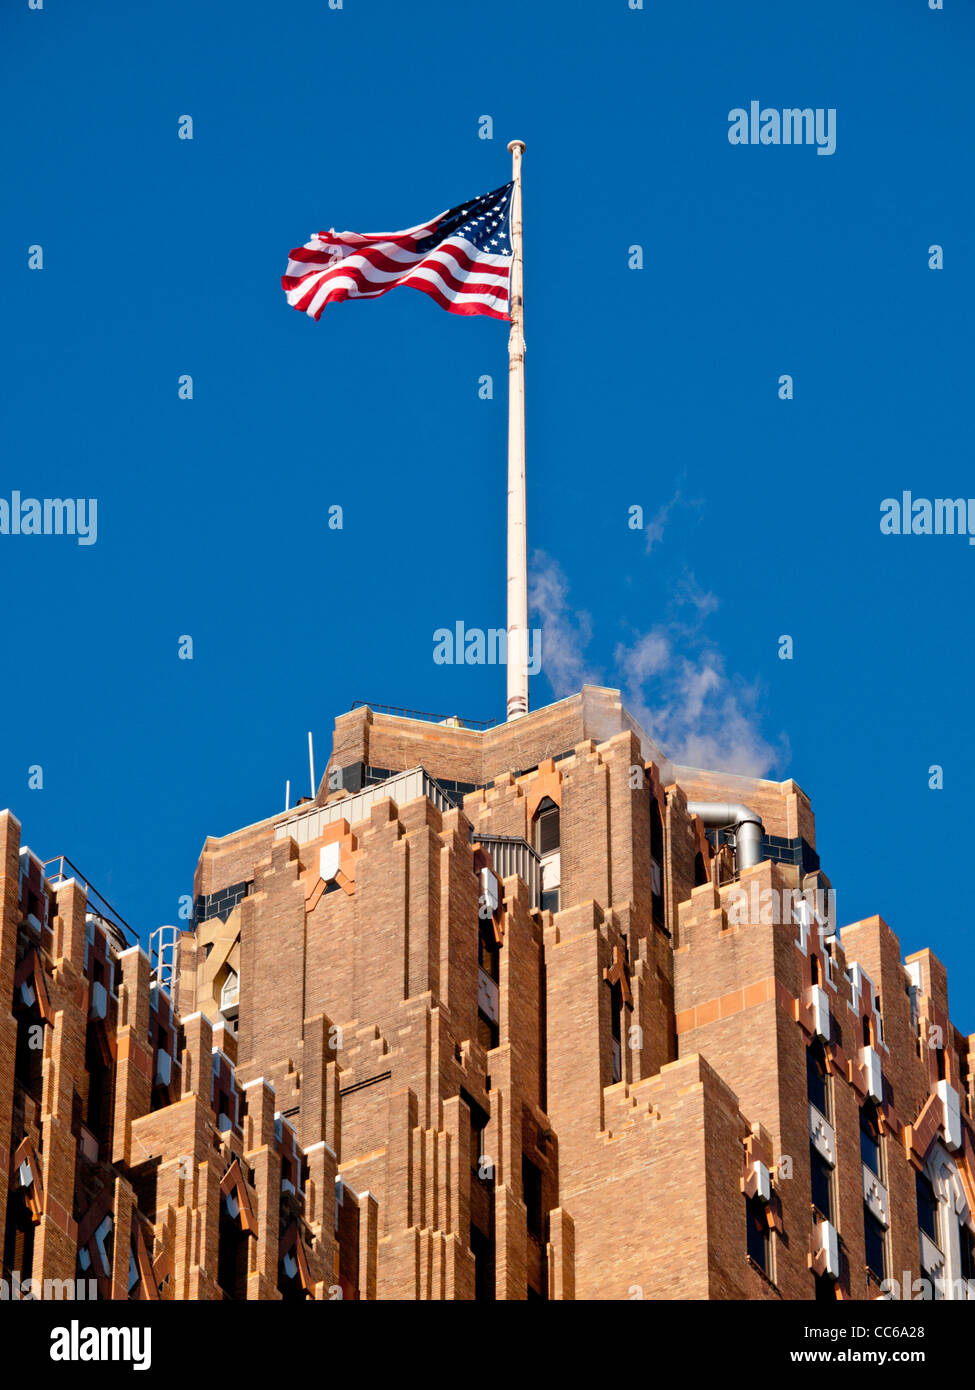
(616, 1025)
(870, 1138)
(825, 1289)
(967, 1253)
(531, 1182)
(927, 1207)
(29, 1057)
(939, 1054)
(290, 1286)
(814, 975)
(821, 1184)
(875, 1245)
(232, 1257)
(757, 1234)
(866, 1030)
(700, 871)
(482, 1248)
(488, 952)
(547, 827)
(98, 1111)
(18, 1244)
(550, 900)
(479, 1123)
(616, 1009)
(817, 1081)
(657, 867)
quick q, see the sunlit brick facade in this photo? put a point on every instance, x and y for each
(495, 1016)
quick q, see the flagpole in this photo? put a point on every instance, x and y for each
(517, 656)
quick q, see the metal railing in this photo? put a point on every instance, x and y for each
(449, 719)
(310, 822)
(512, 855)
(96, 901)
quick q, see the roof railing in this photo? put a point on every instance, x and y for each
(96, 901)
(400, 713)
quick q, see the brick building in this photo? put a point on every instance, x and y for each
(517, 1012)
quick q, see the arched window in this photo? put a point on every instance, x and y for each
(546, 827)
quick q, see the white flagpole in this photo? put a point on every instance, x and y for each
(517, 545)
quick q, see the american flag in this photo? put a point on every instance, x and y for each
(462, 259)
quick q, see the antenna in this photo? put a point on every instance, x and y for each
(287, 795)
(311, 765)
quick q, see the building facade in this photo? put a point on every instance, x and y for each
(506, 1013)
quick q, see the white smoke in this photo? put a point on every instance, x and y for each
(673, 679)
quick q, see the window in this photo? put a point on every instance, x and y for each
(488, 951)
(700, 870)
(531, 1183)
(870, 1138)
(967, 1246)
(547, 833)
(18, 1245)
(482, 1248)
(656, 863)
(825, 1289)
(99, 1106)
(821, 1184)
(927, 1208)
(758, 1236)
(616, 1025)
(29, 1056)
(232, 1255)
(866, 1030)
(875, 1245)
(549, 900)
(817, 1081)
(488, 996)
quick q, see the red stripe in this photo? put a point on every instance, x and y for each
(344, 268)
(498, 292)
(376, 257)
(455, 283)
(468, 310)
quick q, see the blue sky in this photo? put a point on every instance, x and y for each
(655, 387)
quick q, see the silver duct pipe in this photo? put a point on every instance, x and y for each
(747, 825)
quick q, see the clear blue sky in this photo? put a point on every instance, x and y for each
(655, 387)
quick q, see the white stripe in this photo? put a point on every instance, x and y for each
(431, 274)
(487, 273)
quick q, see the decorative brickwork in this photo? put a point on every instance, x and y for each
(385, 1072)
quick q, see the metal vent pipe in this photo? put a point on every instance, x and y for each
(748, 827)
